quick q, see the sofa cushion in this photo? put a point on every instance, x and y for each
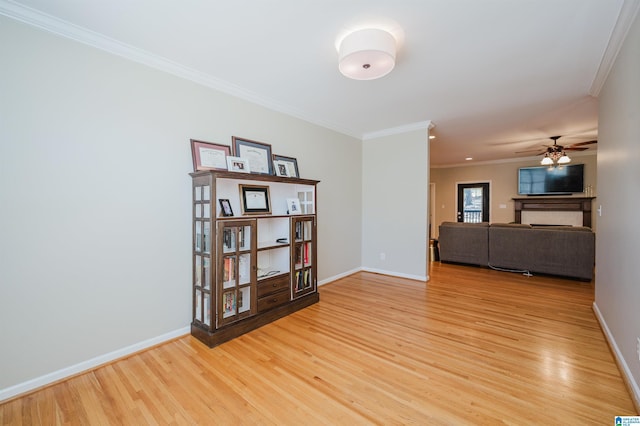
(464, 242)
(568, 251)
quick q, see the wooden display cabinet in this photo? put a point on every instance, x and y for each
(250, 269)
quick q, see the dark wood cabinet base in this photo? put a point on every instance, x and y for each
(234, 330)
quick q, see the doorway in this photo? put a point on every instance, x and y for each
(473, 202)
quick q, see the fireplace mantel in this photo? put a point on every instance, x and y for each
(582, 204)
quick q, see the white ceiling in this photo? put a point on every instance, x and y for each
(494, 76)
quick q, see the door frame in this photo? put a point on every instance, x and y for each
(474, 182)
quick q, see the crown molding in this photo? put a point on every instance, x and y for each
(83, 35)
(420, 125)
(628, 13)
(506, 160)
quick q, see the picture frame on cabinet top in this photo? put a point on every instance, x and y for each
(237, 164)
(292, 164)
(257, 153)
(209, 155)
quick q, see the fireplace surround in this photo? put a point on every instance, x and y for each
(554, 204)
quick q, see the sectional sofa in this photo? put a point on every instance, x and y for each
(557, 250)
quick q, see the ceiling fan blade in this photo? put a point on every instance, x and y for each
(571, 148)
(536, 151)
(583, 143)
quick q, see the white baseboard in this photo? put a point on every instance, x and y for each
(424, 278)
(337, 277)
(87, 365)
(626, 372)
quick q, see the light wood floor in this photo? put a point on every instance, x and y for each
(472, 346)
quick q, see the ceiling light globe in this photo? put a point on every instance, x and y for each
(564, 159)
(546, 161)
(367, 54)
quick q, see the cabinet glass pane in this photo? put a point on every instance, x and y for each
(206, 237)
(198, 312)
(197, 193)
(229, 240)
(229, 272)
(207, 308)
(303, 279)
(207, 275)
(299, 280)
(299, 255)
(207, 210)
(298, 231)
(306, 201)
(244, 269)
(308, 278)
(244, 299)
(198, 237)
(198, 271)
(306, 254)
(307, 230)
(228, 304)
(198, 210)
(205, 193)
(244, 237)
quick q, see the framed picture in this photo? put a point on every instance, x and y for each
(237, 164)
(281, 168)
(292, 164)
(257, 153)
(225, 207)
(209, 156)
(254, 199)
(293, 206)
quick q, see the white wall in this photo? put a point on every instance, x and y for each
(95, 199)
(503, 176)
(617, 283)
(394, 204)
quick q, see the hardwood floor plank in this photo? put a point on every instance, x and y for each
(471, 346)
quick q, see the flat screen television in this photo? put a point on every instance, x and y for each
(543, 180)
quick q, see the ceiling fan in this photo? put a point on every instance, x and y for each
(555, 154)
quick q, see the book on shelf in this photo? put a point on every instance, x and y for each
(229, 303)
(228, 237)
(306, 253)
(300, 280)
(229, 272)
(298, 230)
(241, 238)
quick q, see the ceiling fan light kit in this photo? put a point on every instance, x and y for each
(367, 54)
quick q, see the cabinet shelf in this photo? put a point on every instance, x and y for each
(242, 276)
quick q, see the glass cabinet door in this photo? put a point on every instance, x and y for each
(303, 260)
(202, 284)
(236, 277)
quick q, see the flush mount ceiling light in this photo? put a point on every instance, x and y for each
(367, 54)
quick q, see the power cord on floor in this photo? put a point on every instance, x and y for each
(524, 272)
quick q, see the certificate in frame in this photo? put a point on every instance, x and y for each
(257, 153)
(209, 155)
(254, 199)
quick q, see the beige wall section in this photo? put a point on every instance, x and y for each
(95, 224)
(394, 208)
(617, 289)
(503, 178)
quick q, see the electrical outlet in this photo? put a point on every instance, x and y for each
(638, 347)
(383, 256)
